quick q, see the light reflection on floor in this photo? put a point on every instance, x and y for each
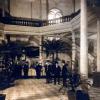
(33, 89)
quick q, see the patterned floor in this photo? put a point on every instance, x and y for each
(94, 93)
(34, 89)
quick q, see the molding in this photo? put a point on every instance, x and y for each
(67, 27)
(25, 30)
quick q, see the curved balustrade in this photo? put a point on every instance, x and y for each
(63, 19)
(21, 21)
(36, 23)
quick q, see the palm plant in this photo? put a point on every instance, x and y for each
(55, 47)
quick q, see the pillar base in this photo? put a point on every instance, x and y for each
(96, 79)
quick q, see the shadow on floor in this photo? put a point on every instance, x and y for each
(6, 85)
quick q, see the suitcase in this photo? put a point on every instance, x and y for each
(81, 95)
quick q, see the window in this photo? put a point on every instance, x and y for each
(53, 14)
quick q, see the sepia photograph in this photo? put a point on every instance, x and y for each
(49, 49)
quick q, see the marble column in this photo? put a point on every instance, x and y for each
(3, 8)
(47, 8)
(3, 36)
(98, 45)
(40, 9)
(83, 40)
(73, 50)
(40, 50)
(31, 4)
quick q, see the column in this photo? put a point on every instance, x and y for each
(47, 8)
(83, 40)
(40, 9)
(74, 6)
(96, 75)
(3, 36)
(3, 9)
(98, 45)
(73, 50)
(9, 6)
(40, 50)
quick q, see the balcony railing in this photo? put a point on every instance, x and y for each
(36, 23)
(63, 19)
(21, 21)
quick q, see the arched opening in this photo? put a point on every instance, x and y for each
(54, 14)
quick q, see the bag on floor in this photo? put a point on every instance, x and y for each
(81, 95)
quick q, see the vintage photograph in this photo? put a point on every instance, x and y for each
(49, 49)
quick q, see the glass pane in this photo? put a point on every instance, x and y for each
(55, 13)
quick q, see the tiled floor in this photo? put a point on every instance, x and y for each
(34, 89)
(94, 93)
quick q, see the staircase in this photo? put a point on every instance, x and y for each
(93, 3)
(91, 56)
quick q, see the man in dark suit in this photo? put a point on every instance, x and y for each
(64, 72)
(49, 73)
(26, 69)
(57, 73)
(38, 71)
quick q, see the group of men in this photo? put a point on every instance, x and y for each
(21, 67)
(54, 72)
(62, 75)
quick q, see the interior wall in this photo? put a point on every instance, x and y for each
(31, 8)
(66, 6)
(64, 56)
(44, 9)
(20, 8)
(27, 8)
(1, 4)
(4, 3)
(77, 5)
(36, 9)
(61, 56)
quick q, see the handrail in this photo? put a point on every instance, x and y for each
(21, 21)
(36, 22)
(62, 19)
